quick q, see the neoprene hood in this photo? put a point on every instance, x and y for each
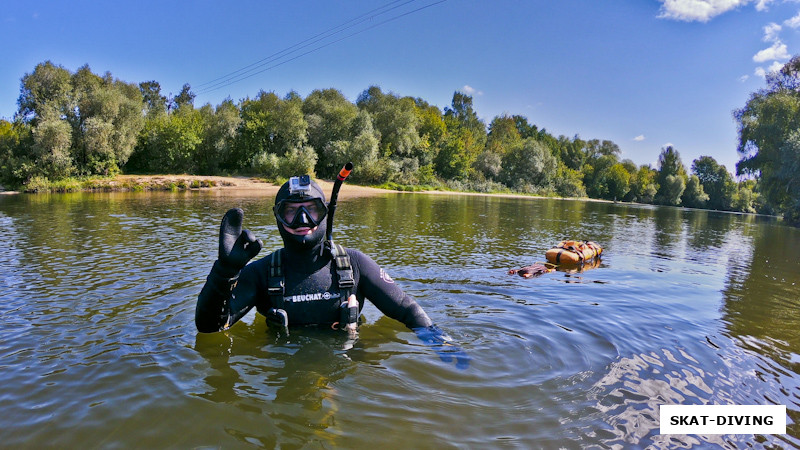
(297, 190)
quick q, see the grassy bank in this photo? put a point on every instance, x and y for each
(124, 183)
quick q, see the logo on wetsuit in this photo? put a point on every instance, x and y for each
(385, 277)
(312, 297)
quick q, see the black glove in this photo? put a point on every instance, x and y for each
(443, 345)
(236, 246)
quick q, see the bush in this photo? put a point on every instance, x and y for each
(298, 161)
(37, 184)
(266, 165)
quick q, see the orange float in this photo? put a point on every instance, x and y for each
(573, 252)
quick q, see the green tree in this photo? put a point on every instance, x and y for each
(52, 138)
(394, 118)
(466, 139)
(184, 99)
(768, 126)
(154, 102)
(432, 133)
(458, 154)
(330, 119)
(717, 182)
(643, 185)
(528, 130)
(104, 116)
(269, 125)
(597, 173)
(596, 148)
(618, 182)
(571, 151)
(490, 164)
(503, 135)
(694, 196)
(529, 167)
(746, 199)
(569, 182)
(45, 91)
(107, 124)
(168, 143)
(362, 151)
(671, 177)
(15, 163)
(220, 126)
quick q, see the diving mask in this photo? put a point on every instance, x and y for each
(300, 213)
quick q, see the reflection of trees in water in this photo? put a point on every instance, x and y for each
(288, 383)
(761, 311)
(762, 294)
(468, 231)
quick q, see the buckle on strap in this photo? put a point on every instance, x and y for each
(346, 280)
(276, 287)
(344, 270)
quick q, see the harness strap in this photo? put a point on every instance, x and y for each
(276, 286)
(344, 270)
(275, 283)
(348, 312)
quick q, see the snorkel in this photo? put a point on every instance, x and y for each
(349, 309)
(343, 174)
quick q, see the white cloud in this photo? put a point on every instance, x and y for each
(777, 51)
(471, 90)
(771, 32)
(761, 5)
(744, 78)
(639, 138)
(774, 67)
(700, 10)
(794, 22)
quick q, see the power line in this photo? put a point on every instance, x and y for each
(247, 72)
(309, 41)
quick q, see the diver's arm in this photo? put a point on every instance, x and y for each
(392, 301)
(218, 305)
(225, 298)
(212, 311)
(387, 296)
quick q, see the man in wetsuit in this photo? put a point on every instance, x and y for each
(312, 293)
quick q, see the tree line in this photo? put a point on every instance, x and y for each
(84, 124)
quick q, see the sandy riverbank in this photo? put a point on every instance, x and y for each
(241, 186)
(249, 186)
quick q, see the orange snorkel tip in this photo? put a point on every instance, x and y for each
(345, 172)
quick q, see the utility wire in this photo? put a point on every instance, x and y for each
(309, 41)
(245, 74)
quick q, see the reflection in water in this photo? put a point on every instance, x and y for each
(692, 307)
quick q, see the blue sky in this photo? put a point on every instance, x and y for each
(643, 74)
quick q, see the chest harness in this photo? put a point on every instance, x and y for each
(348, 314)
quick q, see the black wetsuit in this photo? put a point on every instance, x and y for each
(311, 294)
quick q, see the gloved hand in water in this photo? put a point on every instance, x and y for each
(443, 345)
(236, 246)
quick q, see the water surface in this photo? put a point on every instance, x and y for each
(98, 347)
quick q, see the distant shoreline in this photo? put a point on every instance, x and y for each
(254, 186)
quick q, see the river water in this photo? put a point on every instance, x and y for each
(98, 346)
